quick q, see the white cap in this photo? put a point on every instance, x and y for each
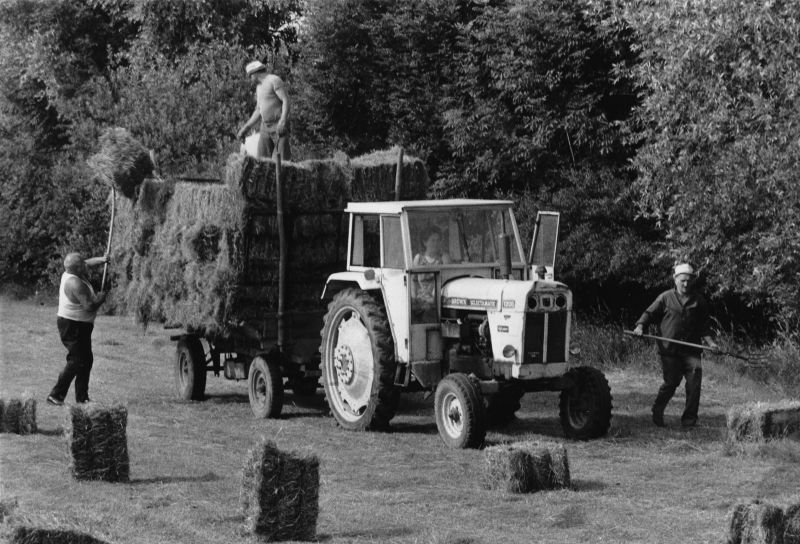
(684, 269)
(254, 67)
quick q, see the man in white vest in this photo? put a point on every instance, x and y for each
(77, 308)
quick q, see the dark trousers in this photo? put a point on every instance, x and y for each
(676, 368)
(77, 338)
(270, 143)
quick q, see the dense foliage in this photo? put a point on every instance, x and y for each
(660, 131)
(718, 166)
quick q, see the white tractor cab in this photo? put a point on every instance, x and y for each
(437, 296)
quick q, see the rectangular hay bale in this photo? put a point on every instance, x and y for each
(756, 523)
(38, 535)
(758, 421)
(525, 467)
(98, 442)
(280, 493)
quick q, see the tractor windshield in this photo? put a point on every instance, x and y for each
(462, 235)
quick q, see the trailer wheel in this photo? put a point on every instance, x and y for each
(585, 409)
(265, 387)
(460, 414)
(358, 363)
(190, 368)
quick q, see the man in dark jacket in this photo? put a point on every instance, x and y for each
(682, 315)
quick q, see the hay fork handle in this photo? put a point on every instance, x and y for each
(110, 235)
(689, 344)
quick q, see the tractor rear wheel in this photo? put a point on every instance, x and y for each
(460, 414)
(265, 387)
(190, 368)
(358, 363)
(585, 409)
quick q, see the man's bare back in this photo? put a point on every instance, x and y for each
(268, 99)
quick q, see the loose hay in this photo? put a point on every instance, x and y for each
(122, 163)
(526, 467)
(280, 493)
(758, 421)
(98, 442)
(18, 415)
(756, 523)
(37, 535)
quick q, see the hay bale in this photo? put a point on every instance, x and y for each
(98, 442)
(122, 163)
(280, 493)
(756, 523)
(12, 410)
(791, 525)
(758, 421)
(27, 416)
(526, 467)
(38, 535)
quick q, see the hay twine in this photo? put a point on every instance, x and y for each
(18, 416)
(526, 467)
(280, 493)
(97, 441)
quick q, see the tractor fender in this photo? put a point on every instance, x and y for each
(342, 280)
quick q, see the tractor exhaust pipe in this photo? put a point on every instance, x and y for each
(505, 255)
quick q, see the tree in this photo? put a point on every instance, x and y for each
(720, 152)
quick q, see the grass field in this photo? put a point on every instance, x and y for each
(639, 484)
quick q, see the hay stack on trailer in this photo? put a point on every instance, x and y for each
(204, 255)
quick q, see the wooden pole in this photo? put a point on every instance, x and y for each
(398, 178)
(110, 235)
(281, 249)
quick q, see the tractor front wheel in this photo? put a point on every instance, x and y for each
(585, 408)
(460, 414)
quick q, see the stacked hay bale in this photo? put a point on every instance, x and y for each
(38, 535)
(280, 493)
(758, 421)
(791, 525)
(122, 163)
(756, 522)
(205, 255)
(526, 467)
(18, 415)
(98, 442)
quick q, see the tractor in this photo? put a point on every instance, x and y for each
(436, 296)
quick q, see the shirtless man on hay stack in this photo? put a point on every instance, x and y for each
(272, 111)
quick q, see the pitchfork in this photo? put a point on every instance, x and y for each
(691, 345)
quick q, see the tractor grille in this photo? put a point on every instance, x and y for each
(549, 349)
(556, 336)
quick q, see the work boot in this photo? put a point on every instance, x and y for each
(658, 418)
(54, 401)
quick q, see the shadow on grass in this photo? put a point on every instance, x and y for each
(387, 532)
(207, 477)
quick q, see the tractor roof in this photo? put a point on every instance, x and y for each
(398, 206)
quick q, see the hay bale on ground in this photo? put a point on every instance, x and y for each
(122, 163)
(98, 442)
(756, 523)
(758, 421)
(791, 525)
(18, 415)
(280, 493)
(526, 467)
(38, 535)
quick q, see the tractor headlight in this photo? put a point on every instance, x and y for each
(561, 301)
(509, 352)
(532, 302)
